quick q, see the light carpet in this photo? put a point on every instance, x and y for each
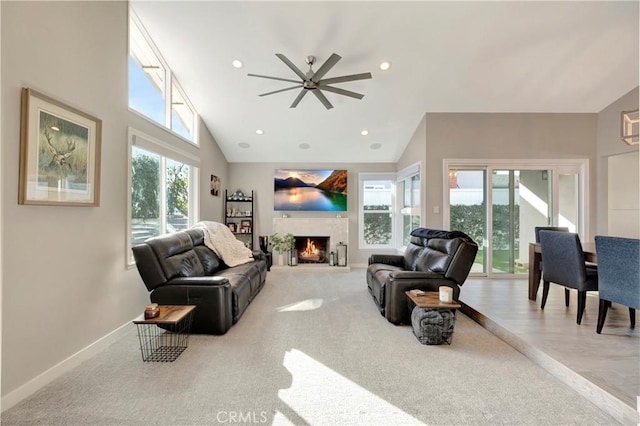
(312, 349)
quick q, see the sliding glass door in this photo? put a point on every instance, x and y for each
(467, 201)
(499, 207)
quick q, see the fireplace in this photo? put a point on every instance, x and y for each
(312, 249)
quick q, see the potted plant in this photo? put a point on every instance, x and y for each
(282, 244)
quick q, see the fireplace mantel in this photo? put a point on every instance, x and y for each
(336, 228)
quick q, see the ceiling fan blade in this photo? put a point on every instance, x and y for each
(293, 67)
(281, 90)
(322, 98)
(342, 92)
(298, 98)
(352, 77)
(273, 78)
(328, 64)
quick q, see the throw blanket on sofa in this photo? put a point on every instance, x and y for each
(221, 240)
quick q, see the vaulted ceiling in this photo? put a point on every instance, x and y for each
(449, 56)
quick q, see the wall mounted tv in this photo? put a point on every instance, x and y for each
(310, 190)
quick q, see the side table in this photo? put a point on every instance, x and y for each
(165, 337)
(432, 320)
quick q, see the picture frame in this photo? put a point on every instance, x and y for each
(245, 224)
(60, 148)
(232, 226)
(214, 186)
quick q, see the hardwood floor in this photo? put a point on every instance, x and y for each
(604, 368)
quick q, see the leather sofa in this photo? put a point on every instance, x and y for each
(179, 269)
(433, 258)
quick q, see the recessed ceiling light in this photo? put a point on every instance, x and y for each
(375, 146)
(304, 146)
(385, 65)
(259, 131)
(244, 145)
(237, 63)
(364, 132)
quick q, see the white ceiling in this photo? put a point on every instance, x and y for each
(446, 57)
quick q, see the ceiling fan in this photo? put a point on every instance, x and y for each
(312, 81)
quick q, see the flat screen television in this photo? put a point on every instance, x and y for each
(310, 190)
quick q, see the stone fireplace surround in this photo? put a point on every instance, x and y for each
(336, 228)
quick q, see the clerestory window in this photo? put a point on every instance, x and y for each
(154, 91)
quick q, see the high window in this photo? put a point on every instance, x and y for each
(162, 188)
(154, 91)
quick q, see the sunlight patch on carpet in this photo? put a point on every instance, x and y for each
(322, 396)
(303, 305)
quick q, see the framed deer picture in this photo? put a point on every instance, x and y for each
(59, 153)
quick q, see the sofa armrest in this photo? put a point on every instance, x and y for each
(259, 255)
(211, 295)
(387, 259)
(414, 275)
(199, 281)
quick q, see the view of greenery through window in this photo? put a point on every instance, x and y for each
(377, 225)
(146, 195)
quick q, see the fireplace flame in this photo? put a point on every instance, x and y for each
(310, 251)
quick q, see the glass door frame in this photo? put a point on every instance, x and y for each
(557, 167)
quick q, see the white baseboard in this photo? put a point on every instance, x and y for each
(38, 382)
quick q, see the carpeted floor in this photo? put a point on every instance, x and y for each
(312, 349)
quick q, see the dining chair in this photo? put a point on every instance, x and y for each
(536, 232)
(619, 275)
(564, 264)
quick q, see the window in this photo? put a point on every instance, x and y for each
(376, 210)
(163, 189)
(153, 91)
(499, 202)
(409, 190)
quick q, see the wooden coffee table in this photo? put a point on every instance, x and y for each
(429, 299)
(432, 321)
(165, 337)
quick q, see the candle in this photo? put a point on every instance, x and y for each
(446, 294)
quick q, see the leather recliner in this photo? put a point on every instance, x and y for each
(179, 269)
(432, 259)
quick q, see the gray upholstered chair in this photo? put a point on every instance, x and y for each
(536, 231)
(619, 275)
(564, 264)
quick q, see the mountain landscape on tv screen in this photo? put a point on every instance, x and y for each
(336, 182)
(310, 190)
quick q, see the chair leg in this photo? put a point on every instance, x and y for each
(567, 293)
(545, 293)
(602, 314)
(632, 317)
(582, 301)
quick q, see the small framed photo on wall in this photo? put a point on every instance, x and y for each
(214, 186)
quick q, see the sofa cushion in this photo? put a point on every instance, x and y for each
(176, 255)
(437, 256)
(411, 254)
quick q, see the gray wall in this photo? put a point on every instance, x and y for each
(259, 178)
(504, 136)
(65, 284)
(609, 144)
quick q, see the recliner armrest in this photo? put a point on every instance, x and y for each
(199, 281)
(259, 255)
(414, 275)
(387, 259)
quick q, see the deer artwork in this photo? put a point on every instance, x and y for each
(60, 157)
